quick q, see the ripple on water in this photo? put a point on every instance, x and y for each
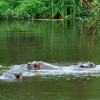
(71, 71)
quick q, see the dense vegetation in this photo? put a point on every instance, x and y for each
(94, 19)
(35, 9)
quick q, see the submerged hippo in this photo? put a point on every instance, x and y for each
(41, 66)
(86, 65)
(9, 76)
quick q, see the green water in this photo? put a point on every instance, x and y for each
(57, 42)
(51, 89)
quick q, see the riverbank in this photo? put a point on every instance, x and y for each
(41, 9)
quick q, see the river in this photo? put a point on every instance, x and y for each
(59, 42)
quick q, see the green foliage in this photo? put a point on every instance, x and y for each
(94, 20)
(4, 9)
(29, 9)
(13, 3)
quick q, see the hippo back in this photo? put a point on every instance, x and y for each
(47, 66)
(8, 77)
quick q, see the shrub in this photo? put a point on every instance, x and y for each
(29, 8)
(4, 6)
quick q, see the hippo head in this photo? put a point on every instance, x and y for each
(33, 65)
(10, 76)
(92, 65)
(87, 65)
(18, 75)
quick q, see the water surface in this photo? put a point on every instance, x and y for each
(58, 42)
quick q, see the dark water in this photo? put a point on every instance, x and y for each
(57, 42)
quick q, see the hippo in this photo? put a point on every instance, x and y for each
(9, 76)
(32, 65)
(40, 65)
(86, 65)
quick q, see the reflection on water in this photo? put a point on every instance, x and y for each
(48, 41)
(54, 42)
